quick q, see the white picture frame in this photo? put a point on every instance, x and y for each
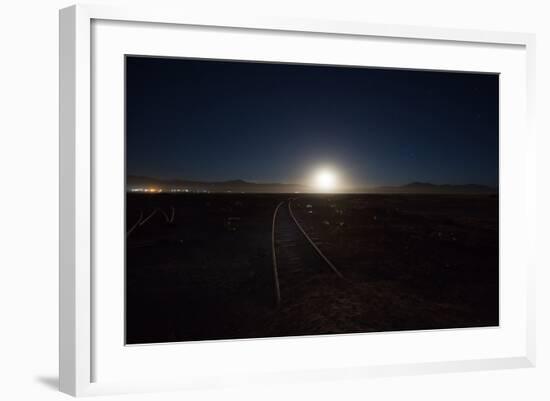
(78, 152)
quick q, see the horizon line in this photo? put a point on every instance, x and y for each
(362, 186)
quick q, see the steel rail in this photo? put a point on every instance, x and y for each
(173, 215)
(321, 254)
(148, 217)
(136, 223)
(165, 215)
(274, 254)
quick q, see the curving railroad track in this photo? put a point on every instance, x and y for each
(296, 257)
(143, 219)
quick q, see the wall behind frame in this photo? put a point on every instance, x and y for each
(29, 201)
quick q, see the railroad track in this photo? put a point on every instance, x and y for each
(295, 255)
(144, 218)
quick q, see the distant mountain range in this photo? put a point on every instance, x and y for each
(134, 182)
(428, 188)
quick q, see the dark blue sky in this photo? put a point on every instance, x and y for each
(217, 120)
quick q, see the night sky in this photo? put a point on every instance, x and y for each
(217, 120)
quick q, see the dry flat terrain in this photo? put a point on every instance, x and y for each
(200, 266)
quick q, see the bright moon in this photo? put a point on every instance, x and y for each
(325, 180)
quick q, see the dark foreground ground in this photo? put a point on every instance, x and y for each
(410, 262)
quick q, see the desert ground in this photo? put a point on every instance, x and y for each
(201, 266)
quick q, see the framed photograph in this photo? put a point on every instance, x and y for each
(278, 200)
